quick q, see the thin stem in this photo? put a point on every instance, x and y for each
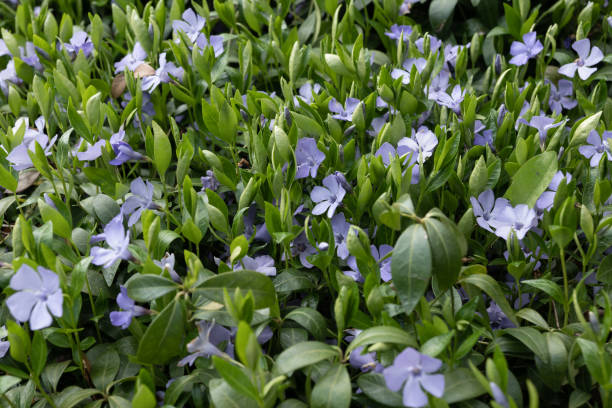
(565, 288)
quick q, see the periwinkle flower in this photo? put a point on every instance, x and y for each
(406, 6)
(95, 150)
(482, 135)
(498, 395)
(117, 239)
(434, 44)
(397, 31)
(362, 361)
(400, 73)
(542, 123)
(132, 60)
(486, 208)
(209, 339)
(343, 112)
(546, 200)
(587, 58)
(80, 41)
(167, 264)
(497, 318)
(263, 264)
(426, 142)
(29, 56)
(328, 198)
(38, 296)
(4, 49)
(561, 97)
(377, 124)
(215, 41)
(514, 220)
(209, 181)
(413, 372)
(452, 101)
(451, 52)
(340, 229)
(438, 85)
(308, 157)
(123, 153)
(379, 254)
(9, 74)
(166, 72)
(129, 310)
(140, 200)
(19, 156)
(523, 51)
(597, 147)
(301, 247)
(306, 93)
(192, 24)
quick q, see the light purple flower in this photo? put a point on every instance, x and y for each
(378, 254)
(308, 157)
(386, 152)
(400, 73)
(130, 309)
(561, 98)
(397, 31)
(19, 156)
(486, 208)
(358, 359)
(546, 200)
(210, 338)
(406, 5)
(38, 293)
(210, 181)
(123, 153)
(191, 24)
(426, 142)
(497, 318)
(4, 49)
(482, 135)
(263, 264)
(413, 372)
(167, 264)
(95, 150)
(165, 73)
(377, 124)
(451, 52)
(452, 101)
(29, 56)
(140, 200)
(306, 93)
(514, 220)
(301, 247)
(215, 41)
(438, 85)
(340, 228)
(587, 57)
(132, 60)
(498, 395)
(79, 42)
(328, 197)
(434, 44)
(542, 123)
(523, 51)
(343, 112)
(597, 146)
(117, 239)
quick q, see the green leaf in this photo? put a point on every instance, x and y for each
(581, 130)
(145, 288)
(596, 360)
(105, 364)
(304, 354)
(72, 395)
(144, 398)
(60, 224)
(440, 12)
(223, 395)
(7, 180)
(461, 385)
(488, 285)
(532, 179)
(381, 334)
(445, 252)
(533, 317)
(19, 341)
(163, 338)
(39, 352)
(162, 150)
(307, 124)
(604, 272)
(532, 339)
(411, 266)
(235, 377)
(436, 345)
(260, 285)
(333, 389)
(547, 286)
(374, 386)
(311, 320)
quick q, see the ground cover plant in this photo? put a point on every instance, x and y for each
(372, 203)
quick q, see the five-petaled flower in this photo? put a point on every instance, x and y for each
(328, 198)
(210, 338)
(118, 239)
(343, 112)
(38, 296)
(308, 157)
(413, 372)
(523, 51)
(397, 31)
(79, 42)
(140, 200)
(129, 308)
(597, 146)
(587, 58)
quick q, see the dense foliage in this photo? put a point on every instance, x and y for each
(373, 203)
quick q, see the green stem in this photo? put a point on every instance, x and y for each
(565, 289)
